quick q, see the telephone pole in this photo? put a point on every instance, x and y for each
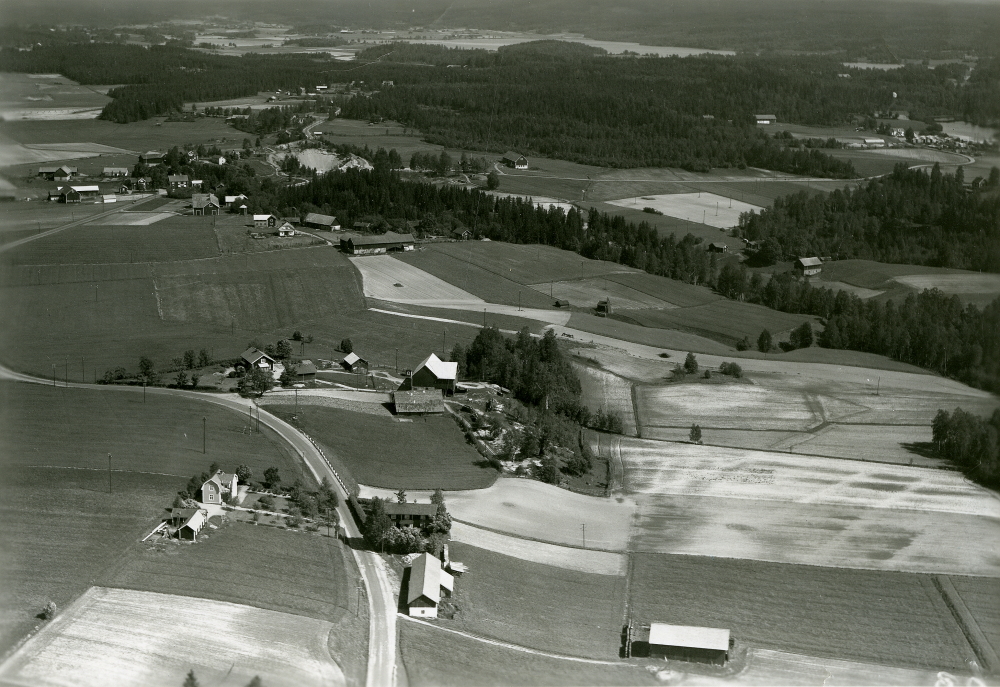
(204, 434)
(584, 528)
(109, 473)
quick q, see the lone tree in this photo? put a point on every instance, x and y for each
(346, 346)
(695, 434)
(244, 473)
(493, 180)
(802, 336)
(691, 364)
(764, 341)
(401, 496)
(272, 478)
(255, 382)
(191, 680)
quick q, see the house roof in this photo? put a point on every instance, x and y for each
(201, 200)
(809, 262)
(116, 169)
(429, 509)
(153, 153)
(223, 479)
(765, 116)
(261, 218)
(716, 244)
(177, 177)
(196, 521)
(425, 579)
(182, 512)
(352, 358)
(439, 368)
(286, 226)
(316, 218)
(47, 170)
(233, 199)
(389, 237)
(512, 155)
(688, 636)
(87, 189)
(252, 355)
(418, 401)
(306, 367)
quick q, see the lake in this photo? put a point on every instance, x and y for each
(970, 131)
(613, 47)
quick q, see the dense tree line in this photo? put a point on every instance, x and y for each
(971, 442)
(906, 217)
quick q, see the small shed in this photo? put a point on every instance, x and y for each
(562, 303)
(808, 267)
(255, 357)
(305, 370)
(352, 362)
(717, 247)
(418, 401)
(765, 119)
(688, 643)
(192, 526)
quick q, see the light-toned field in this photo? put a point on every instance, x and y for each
(125, 637)
(878, 443)
(566, 557)
(18, 154)
(602, 389)
(954, 283)
(519, 506)
(132, 219)
(382, 273)
(585, 293)
(727, 406)
(707, 208)
(921, 155)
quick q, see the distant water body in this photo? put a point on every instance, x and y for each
(613, 47)
(970, 131)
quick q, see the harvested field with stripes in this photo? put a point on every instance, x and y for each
(727, 406)
(585, 293)
(389, 279)
(125, 638)
(678, 293)
(707, 208)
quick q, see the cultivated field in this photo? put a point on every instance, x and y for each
(517, 506)
(899, 280)
(47, 97)
(389, 279)
(558, 610)
(435, 657)
(140, 638)
(727, 406)
(420, 453)
(678, 293)
(602, 389)
(582, 326)
(150, 134)
(707, 208)
(985, 284)
(724, 320)
(62, 529)
(585, 293)
(894, 619)
(568, 558)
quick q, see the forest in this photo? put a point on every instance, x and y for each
(971, 442)
(905, 217)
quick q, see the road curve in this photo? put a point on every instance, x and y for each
(381, 603)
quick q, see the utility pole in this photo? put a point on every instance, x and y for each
(397, 358)
(878, 385)
(109, 473)
(53, 374)
(584, 527)
(67, 370)
(204, 434)
(296, 401)
(83, 370)
(143, 389)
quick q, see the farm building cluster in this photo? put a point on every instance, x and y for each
(187, 521)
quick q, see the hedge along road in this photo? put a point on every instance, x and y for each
(76, 223)
(382, 606)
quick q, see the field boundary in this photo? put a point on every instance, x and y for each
(967, 622)
(515, 647)
(535, 539)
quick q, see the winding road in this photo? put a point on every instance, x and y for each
(381, 602)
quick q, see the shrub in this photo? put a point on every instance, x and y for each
(731, 369)
(49, 611)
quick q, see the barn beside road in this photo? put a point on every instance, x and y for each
(688, 643)
(390, 241)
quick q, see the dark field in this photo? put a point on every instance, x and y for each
(474, 319)
(666, 225)
(435, 658)
(723, 320)
(679, 293)
(62, 530)
(981, 596)
(557, 610)
(290, 571)
(424, 453)
(649, 336)
(151, 134)
(885, 618)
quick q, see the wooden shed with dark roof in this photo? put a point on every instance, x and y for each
(418, 402)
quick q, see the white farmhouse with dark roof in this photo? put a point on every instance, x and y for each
(427, 579)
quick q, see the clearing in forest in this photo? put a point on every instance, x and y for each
(706, 208)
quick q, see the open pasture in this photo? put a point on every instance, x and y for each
(961, 284)
(585, 293)
(765, 190)
(558, 610)
(883, 618)
(898, 280)
(527, 264)
(727, 406)
(708, 208)
(389, 279)
(680, 294)
(415, 453)
(516, 507)
(114, 636)
(435, 657)
(301, 573)
(878, 443)
(604, 390)
(582, 325)
(653, 467)
(724, 320)
(62, 528)
(470, 277)
(150, 134)
(568, 558)
(38, 217)
(665, 225)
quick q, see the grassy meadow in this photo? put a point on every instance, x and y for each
(876, 617)
(150, 134)
(558, 610)
(722, 320)
(62, 530)
(412, 453)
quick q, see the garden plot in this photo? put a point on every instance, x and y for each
(706, 208)
(530, 509)
(729, 406)
(124, 637)
(389, 279)
(585, 293)
(816, 534)
(713, 471)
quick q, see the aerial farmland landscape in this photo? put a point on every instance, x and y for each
(495, 342)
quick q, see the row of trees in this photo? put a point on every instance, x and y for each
(971, 442)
